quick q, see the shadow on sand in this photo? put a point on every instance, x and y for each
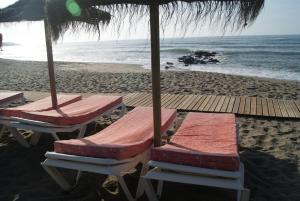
(22, 178)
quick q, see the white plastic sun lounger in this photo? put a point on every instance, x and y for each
(7, 115)
(113, 151)
(68, 118)
(202, 152)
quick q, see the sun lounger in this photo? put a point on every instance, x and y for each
(67, 118)
(113, 151)
(204, 151)
(7, 114)
(8, 97)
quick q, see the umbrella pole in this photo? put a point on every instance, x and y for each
(155, 70)
(50, 57)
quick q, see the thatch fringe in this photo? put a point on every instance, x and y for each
(60, 19)
(90, 19)
(236, 14)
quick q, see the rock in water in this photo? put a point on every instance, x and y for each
(199, 57)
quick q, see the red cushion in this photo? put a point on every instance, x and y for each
(6, 97)
(40, 105)
(125, 138)
(76, 113)
(203, 142)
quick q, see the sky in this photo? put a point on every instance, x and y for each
(279, 17)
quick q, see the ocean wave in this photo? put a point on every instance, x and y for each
(255, 52)
(177, 50)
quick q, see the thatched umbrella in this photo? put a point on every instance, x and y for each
(238, 13)
(62, 19)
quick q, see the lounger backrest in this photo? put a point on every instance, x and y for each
(77, 112)
(40, 105)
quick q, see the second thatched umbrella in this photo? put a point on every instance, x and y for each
(64, 16)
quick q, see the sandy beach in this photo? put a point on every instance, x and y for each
(269, 147)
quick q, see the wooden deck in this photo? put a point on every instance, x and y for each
(229, 104)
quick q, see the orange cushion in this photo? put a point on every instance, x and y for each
(40, 105)
(203, 142)
(6, 97)
(76, 113)
(125, 138)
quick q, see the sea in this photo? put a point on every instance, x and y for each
(276, 56)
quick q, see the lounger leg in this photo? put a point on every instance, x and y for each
(20, 138)
(56, 176)
(141, 188)
(23, 100)
(245, 195)
(160, 188)
(35, 138)
(123, 110)
(239, 192)
(77, 176)
(2, 130)
(82, 131)
(125, 188)
(149, 190)
(54, 135)
(175, 124)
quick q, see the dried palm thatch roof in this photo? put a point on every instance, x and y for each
(61, 18)
(237, 13)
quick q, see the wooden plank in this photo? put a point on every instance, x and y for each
(143, 98)
(199, 103)
(276, 108)
(220, 103)
(225, 104)
(248, 105)
(204, 103)
(209, 103)
(297, 103)
(186, 103)
(212, 103)
(166, 99)
(215, 103)
(127, 96)
(282, 108)
(271, 107)
(242, 105)
(135, 99)
(130, 97)
(236, 105)
(289, 109)
(169, 102)
(253, 106)
(148, 103)
(264, 107)
(294, 108)
(196, 101)
(259, 110)
(148, 98)
(230, 104)
(175, 101)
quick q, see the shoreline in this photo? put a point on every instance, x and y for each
(104, 67)
(75, 77)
